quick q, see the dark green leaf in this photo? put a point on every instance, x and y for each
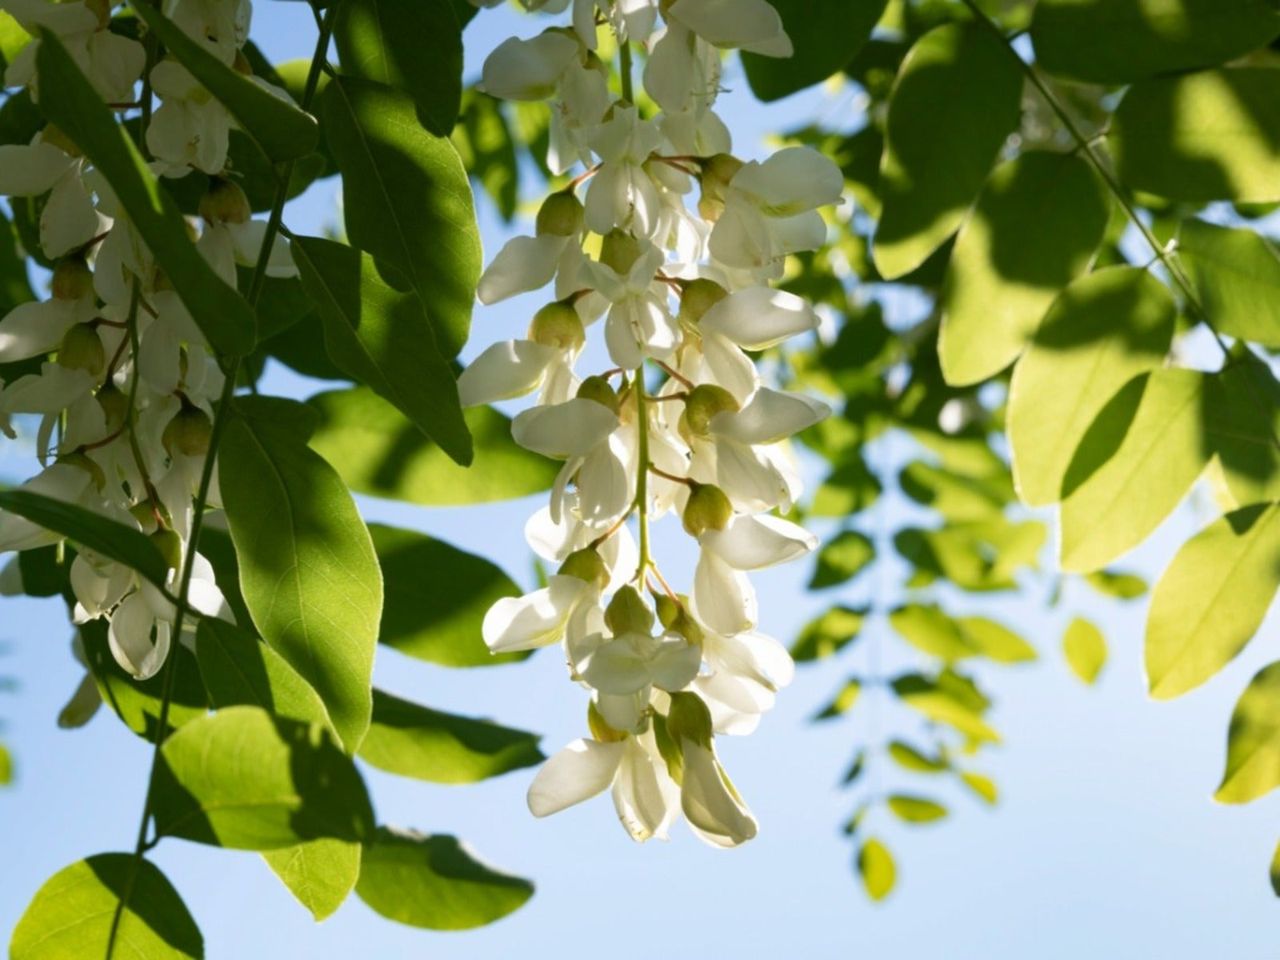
(282, 130)
(72, 915)
(1036, 226)
(382, 338)
(414, 46)
(956, 99)
(308, 571)
(71, 102)
(435, 882)
(415, 741)
(377, 451)
(842, 702)
(825, 35)
(1243, 419)
(243, 779)
(841, 559)
(406, 200)
(239, 669)
(488, 151)
(829, 634)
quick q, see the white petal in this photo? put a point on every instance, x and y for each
(727, 24)
(36, 327)
(509, 368)
(69, 219)
(564, 430)
(730, 367)
(792, 181)
(578, 772)
(753, 543)
(524, 264)
(131, 638)
(606, 488)
(534, 620)
(722, 598)
(772, 415)
(711, 805)
(675, 663)
(28, 171)
(643, 793)
(617, 667)
(759, 317)
(527, 69)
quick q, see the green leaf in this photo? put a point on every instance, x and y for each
(382, 338)
(825, 35)
(406, 200)
(945, 700)
(71, 102)
(320, 874)
(15, 288)
(307, 567)
(73, 913)
(488, 151)
(1085, 648)
(1036, 227)
(1202, 136)
(930, 630)
(842, 558)
(1134, 465)
(957, 496)
(978, 555)
(1103, 330)
(1242, 417)
(983, 786)
(1123, 586)
(909, 758)
(829, 633)
(239, 669)
(435, 882)
(850, 487)
(415, 47)
(243, 779)
(104, 536)
(995, 641)
(915, 809)
(1253, 743)
(1120, 41)
(876, 867)
(1275, 871)
(436, 597)
(281, 129)
(956, 99)
(415, 741)
(137, 702)
(378, 452)
(1236, 273)
(1212, 599)
(842, 702)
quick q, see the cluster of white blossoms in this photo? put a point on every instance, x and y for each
(681, 424)
(123, 398)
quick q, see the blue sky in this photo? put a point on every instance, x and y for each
(1105, 840)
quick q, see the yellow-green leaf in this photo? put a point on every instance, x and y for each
(320, 873)
(1085, 648)
(1236, 273)
(915, 809)
(876, 867)
(1253, 741)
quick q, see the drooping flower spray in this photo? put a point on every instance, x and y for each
(668, 243)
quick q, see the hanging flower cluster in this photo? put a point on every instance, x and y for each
(681, 424)
(121, 378)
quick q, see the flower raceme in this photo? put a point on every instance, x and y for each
(670, 244)
(115, 375)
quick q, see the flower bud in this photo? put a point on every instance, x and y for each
(188, 432)
(674, 617)
(699, 296)
(558, 325)
(170, 546)
(72, 279)
(599, 389)
(703, 403)
(145, 513)
(225, 202)
(54, 136)
(88, 465)
(707, 509)
(600, 728)
(619, 251)
(585, 565)
(668, 610)
(628, 613)
(689, 719)
(560, 215)
(81, 349)
(716, 174)
(115, 406)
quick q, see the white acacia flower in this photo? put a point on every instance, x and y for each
(632, 663)
(622, 194)
(191, 128)
(638, 324)
(715, 810)
(69, 219)
(111, 63)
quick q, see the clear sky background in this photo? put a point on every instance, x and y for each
(1105, 843)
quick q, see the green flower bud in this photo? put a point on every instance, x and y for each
(557, 325)
(144, 512)
(599, 389)
(674, 617)
(689, 719)
(188, 432)
(585, 565)
(81, 349)
(225, 202)
(115, 406)
(628, 613)
(707, 509)
(668, 610)
(619, 251)
(88, 465)
(600, 728)
(170, 546)
(716, 174)
(703, 403)
(699, 296)
(560, 215)
(72, 279)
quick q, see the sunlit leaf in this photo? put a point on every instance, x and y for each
(841, 559)
(842, 702)
(320, 873)
(909, 758)
(876, 867)
(1253, 741)
(1085, 648)
(1236, 273)
(829, 633)
(915, 809)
